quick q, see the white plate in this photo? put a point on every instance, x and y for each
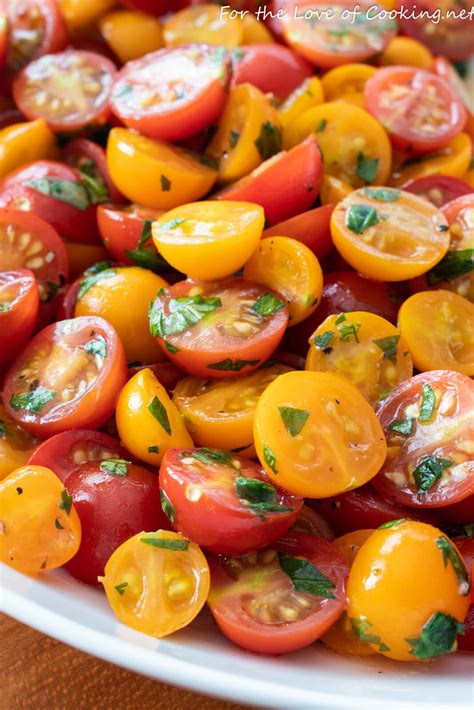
(201, 659)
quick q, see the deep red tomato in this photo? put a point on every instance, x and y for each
(172, 93)
(89, 160)
(57, 193)
(115, 499)
(35, 28)
(224, 502)
(28, 242)
(466, 640)
(284, 185)
(272, 68)
(19, 306)
(68, 376)
(64, 452)
(257, 600)
(69, 90)
(443, 68)
(428, 422)
(167, 373)
(126, 232)
(458, 513)
(438, 189)
(153, 7)
(3, 33)
(310, 228)
(218, 328)
(363, 509)
(312, 523)
(419, 110)
(345, 291)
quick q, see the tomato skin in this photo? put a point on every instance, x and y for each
(280, 638)
(364, 508)
(64, 452)
(18, 320)
(218, 521)
(121, 228)
(54, 31)
(16, 444)
(166, 373)
(152, 7)
(111, 509)
(82, 150)
(458, 513)
(72, 223)
(312, 228)
(22, 143)
(284, 185)
(466, 640)
(272, 68)
(438, 189)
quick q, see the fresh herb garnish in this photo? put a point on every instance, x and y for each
(73, 193)
(294, 419)
(366, 167)
(116, 467)
(167, 506)
(148, 258)
(455, 263)
(269, 141)
(172, 224)
(267, 304)
(402, 426)
(321, 125)
(66, 502)
(121, 588)
(98, 346)
(96, 189)
(153, 449)
(451, 555)
(33, 401)
(234, 138)
(305, 577)
(465, 530)
(165, 183)
(3, 430)
(361, 627)
(259, 496)
(361, 217)
(93, 279)
(172, 349)
(212, 456)
(232, 365)
(183, 314)
(346, 330)
(428, 403)
(270, 458)
(429, 471)
(388, 346)
(165, 544)
(57, 524)
(322, 341)
(158, 410)
(383, 194)
(392, 523)
(438, 636)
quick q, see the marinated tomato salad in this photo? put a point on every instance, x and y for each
(237, 317)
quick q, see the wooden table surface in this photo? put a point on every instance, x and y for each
(38, 672)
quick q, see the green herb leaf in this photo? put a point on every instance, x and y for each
(66, 502)
(270, 458)
(366, 167)
(184, 313)
(361, 217)
(165, 183)
(388, 346)
(340, 319)
(267, 304)
(98, 346)
(451, 555)
(148, 258)
(305, 577)
(322, 341)
(383, 194)
(294, 419)
(465, 530)
(429, 471)
(33, 401)
(438, 636)
(402, 426)
(167, 506)
(165, 544)
(208, 162)
(428, 403)
(455, 263)
(145, 234)
(4, 307)
(116, 467)
(321, 125)
(346, 330)
(153, 449)
(57, 524)
(172, 349)
(211, 456)
(392, 523)
(259, 496)
(93, 279)
(122, 90)
(121, 588)
(269, 141)
(234, 138)
(73, 193)
(52, 290)
(3, 430)
(98, 266)
(232, 365)
(158, 410)
(361, 627)
(172, 224)
(237, 55)
(96, 189)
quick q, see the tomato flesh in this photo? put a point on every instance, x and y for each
(19, 306)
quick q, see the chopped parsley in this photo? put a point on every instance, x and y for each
(305, 577)
(455, 263)
(392, 523)
(383, 194)
(73, 193)
(360, 217)
(428, 403)
(232, 365)
(211, 456)
(153, 449)
(158, 410)
(438, 636)
(172, 349)
(121, 588)
(366, 168)
(92, 279)
(165, 543)
(167, 506)
(451, 555)
(234, 138)
(172, 224)
(361, 627)
(294, 419)
(388, 346)
(270, 458)
(321, 125)
(98, 346)
(402, 426)
(429, 471)
(33, 401)
(165, 183)
(66, 502)
(116, 467)
(183, 314)
(259, 496)
(269, 140)
(267, 304)
(322, 341)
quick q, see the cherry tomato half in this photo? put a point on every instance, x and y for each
(16, 444)
(89, 159)
(19, 306)
(438, 189)
(311, 228)
(272, 68)
(126, 233)
(35, 27)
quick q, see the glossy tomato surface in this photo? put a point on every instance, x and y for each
(19, 306)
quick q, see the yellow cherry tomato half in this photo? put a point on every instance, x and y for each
(346, 81)
(469, 178)
(287, 266)
(220, 413)
(16, 444)
(209, 240)
(354, 145)
(207, 23)
(248, 133)
(80, 14)
(333, 190)
(130, 34)
(122, 295)
(154, 173)
(388, 234)
(452, 160)
(421, 572)
(364, 348)
(407, 52)
(24, 143)
(341, 637)
(40, 528)
(157, 582)
(306, 96)
(148, 422)
(255, 32)
(316, 435)
(438, 328)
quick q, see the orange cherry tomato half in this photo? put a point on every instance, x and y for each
(67, 377)
(406, 51)
(23, 143)
(347, 82)
(389, 234)
(172, 93)
(130, 35)
(453, 159)
(308, 94)
(19, 306)
(203, 22)
(16, 444)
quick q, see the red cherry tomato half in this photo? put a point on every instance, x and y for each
(68, 376)
(28, 242)
(419, 110)
(69, 90)
(312, 523)
(284, 185)
(35, 28)
(438, 189)
(466, 640)
(428, 422)
(310, 228)
(272, 68)
(90, 161)
(121, 229)
(364, 509)
(458, 513)
(153, 7)
(56, 192)
(115, 499)
(235, 325)
(256, 604)
(172, 93)
(64, 452)
(443, 68)
(19, 306)
(225, 502)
